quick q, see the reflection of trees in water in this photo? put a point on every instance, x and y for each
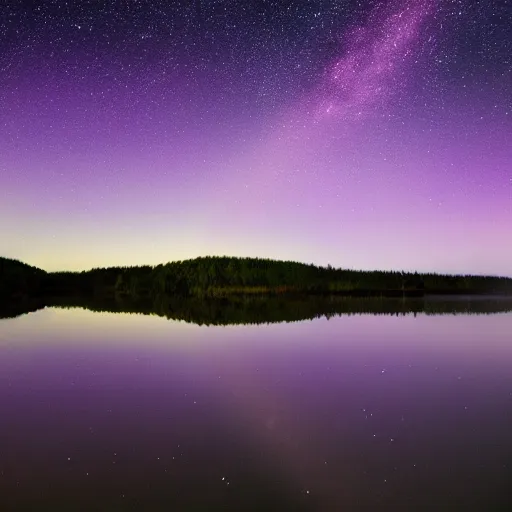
(260, 310)
(15, 308)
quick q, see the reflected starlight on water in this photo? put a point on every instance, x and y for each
(355, 411)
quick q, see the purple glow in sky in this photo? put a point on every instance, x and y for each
(360, 134)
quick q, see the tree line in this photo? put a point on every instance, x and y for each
(228, 276)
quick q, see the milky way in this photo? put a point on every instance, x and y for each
(371, 68)
(360, 134)
(373, 59)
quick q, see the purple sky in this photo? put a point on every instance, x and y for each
(325, 132)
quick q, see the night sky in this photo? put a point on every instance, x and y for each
(363, 134)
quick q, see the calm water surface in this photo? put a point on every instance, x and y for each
(128, 412)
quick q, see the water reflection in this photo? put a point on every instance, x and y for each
(361, 412)
(258, 310)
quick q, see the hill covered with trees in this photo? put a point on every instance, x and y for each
(211, 277)
(18, 279)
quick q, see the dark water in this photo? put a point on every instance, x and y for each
(104, 411)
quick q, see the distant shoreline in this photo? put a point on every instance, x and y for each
(217, 277)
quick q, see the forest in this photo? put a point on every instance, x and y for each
(217, 277)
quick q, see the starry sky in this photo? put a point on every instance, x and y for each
(361, 134)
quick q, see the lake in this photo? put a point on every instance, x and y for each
(117, 411)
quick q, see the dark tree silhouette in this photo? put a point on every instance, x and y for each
(226, 277)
